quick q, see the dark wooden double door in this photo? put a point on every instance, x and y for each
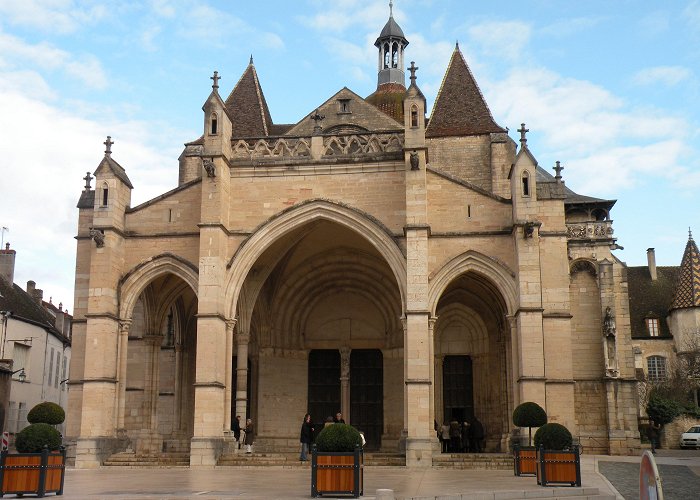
(366, 390)
(457, 388)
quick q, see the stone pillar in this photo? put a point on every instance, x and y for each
(124, 326)
(242, 341)
(177, 424)
(431, 361)
(345, 383)
(149, 441)
(230, 324)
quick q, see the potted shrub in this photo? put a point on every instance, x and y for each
(558, 462)
(38, 467)
(337, 462)
(528, 415)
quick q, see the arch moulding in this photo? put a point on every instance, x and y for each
(136, 280)
(269, 232)
(471, 261)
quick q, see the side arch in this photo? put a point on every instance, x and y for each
(136, 280)
(471, 261)
(269, 232)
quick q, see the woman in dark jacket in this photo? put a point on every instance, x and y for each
(249, 435)
(306, 437)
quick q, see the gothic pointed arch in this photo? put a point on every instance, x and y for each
(135, 281)
(471, 261)
(299, 215)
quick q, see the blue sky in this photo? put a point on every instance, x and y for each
(609, 88)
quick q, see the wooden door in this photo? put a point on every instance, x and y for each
(324, 385)
(367, 394)
(457, 388)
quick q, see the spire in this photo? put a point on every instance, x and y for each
(460, 108)
(247, 108)
(391, 44)
(687, 293)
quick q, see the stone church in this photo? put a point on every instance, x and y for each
(400, 268)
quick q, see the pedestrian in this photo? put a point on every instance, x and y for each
(329, 421)
(477, 435)
(237, 430)
(306, 437)
(466, 434)
(653, 435)
(455, 436)
(249, 436)
(338, 419)
(445, 437)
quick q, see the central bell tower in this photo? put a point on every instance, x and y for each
(391, 44)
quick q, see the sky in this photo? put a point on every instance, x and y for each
(609, 88)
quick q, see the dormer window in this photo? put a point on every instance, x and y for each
(214, 124)
(343, 105)
(414, 116)
(526, 183)
(652, 326)
(105, 194)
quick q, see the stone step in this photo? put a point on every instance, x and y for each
(489, 461)
(169, 459)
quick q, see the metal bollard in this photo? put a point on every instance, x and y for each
(385, 494)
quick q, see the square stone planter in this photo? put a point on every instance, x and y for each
(525, 460)
(337, 472)
(558, 467)
(32, 473)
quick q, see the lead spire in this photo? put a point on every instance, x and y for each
(391, 44)
(391, 8)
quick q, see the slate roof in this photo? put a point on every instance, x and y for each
(650, 299)
(460, 108)
(114, 167)
(389, 98)
(571, 197)
(687, 291)
(247, 108)
(24, 307)
(390, 30)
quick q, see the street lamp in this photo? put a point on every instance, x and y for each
(22, 375)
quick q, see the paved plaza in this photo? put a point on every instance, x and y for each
(617, 479)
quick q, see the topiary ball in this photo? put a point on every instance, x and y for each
(553, 436)
(338, 437)
(529, 414)
(33, 438)
(46, 413)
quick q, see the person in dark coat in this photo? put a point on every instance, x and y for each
(653, 434)
(455, 436)
(477, 435)
(249, 436)
(466, 436)
(306, 437)
(237, 430)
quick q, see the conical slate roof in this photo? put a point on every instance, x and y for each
(247, 108)
(391, 30)
(460, 108)
(688, 286)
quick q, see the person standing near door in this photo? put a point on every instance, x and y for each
(249, 436)
(306, 437)
(237, 430)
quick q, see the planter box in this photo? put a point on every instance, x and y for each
(336, 473)
(32, 473)
(525, 460)
(558, 467)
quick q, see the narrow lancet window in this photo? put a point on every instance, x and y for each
(526, 184)
(105, 195)
(214, 124)
(414, 116)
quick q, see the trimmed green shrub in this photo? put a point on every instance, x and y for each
(46, 413)
(338, 437)
(662, 410)
(553, 436)
(529, 415)
(34, 437)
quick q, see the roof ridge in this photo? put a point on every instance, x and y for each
(261, 100)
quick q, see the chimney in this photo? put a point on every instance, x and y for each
(651, 259)
(31, 285)
(7, 264)
(36, 293)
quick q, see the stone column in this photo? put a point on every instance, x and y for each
(149, 439)
(230, 325)
(431, 336)
(345, 383)
(124, 326)
(177, 424)
(242, 341)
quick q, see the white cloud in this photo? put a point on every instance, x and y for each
(86, 68)
(505, 39)
(61, 16)
(340, 15)
(692, 14)
(569, 27)
(664, 75)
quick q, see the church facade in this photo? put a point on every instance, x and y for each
(404, 270)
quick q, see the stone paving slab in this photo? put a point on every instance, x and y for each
(679, 482)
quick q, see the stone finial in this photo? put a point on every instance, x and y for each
(413, 68)
(391, 8)
(558, 168)
(216, 79)
(108, 145)
(523, 131)
(317, 118)
(88, 178)
(251, 60)
(690, 234)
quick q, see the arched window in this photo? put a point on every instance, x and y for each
(526, 183)
(214, 124)
(105, 194)
(387, 55)
(395, 55)
(656, 368)
(414, 116)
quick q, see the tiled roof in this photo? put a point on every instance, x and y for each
(24, 307)
(388, 98)
(650, 299)
(687, 291)
(247, 108)
(460, 108)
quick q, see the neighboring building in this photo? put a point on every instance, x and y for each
(366, 259)
(36, 337)
(664, 313)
